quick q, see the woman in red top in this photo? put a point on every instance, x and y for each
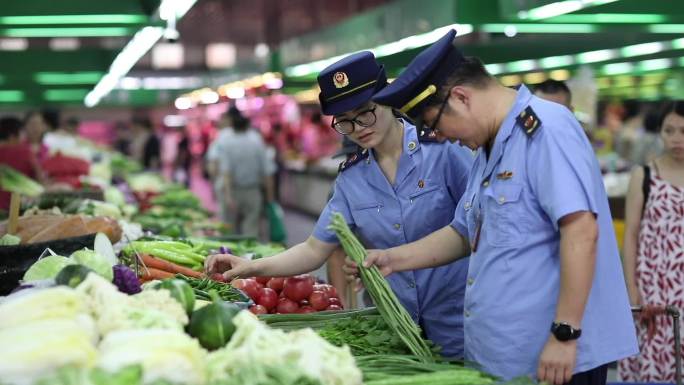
(16, 154)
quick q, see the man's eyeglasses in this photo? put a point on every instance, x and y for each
(433, 126)
(364, 119)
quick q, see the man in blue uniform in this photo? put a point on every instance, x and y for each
(545, 293)
(399, 186)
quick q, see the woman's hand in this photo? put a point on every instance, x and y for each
(230, 266)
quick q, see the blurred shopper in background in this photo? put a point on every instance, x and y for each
(245, 171)
(555, 91)
(35, 127)
(17, 154)
(650, 145)
(63, 137)
(145, 145)
(654, 251)
(183, 160)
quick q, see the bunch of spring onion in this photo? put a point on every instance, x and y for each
(384, 298)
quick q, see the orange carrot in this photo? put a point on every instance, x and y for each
(160, 264)
(152, 273)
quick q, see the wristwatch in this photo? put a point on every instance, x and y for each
(564, 332)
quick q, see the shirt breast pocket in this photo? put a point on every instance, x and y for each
(432, 207)
(505, 217)
(367, 214)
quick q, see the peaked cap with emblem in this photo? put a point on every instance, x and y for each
(420, 81)
(350, 83)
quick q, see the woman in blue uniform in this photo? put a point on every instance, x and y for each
(399, 186)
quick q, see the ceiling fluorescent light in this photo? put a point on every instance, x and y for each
(642, 49)
(66, 32)
(17, 44)
(73, 19)
(64, 44)
(124, 61)
(559, 8)
(596, 56)
(382, 50)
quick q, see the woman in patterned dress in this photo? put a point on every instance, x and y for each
(654, 253)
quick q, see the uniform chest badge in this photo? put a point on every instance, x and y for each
(504, 175)
(340, 79)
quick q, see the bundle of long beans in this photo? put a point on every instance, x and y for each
(402, 369)
(384, 298)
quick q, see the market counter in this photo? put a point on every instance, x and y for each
(306, 189)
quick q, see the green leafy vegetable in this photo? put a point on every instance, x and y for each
(14, 181)
(95, 261)
(9, 240)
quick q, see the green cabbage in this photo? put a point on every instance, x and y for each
(256, 351)
(41, 304)
(31, 350)
(95, 261)
(164, 355)
(47, 268)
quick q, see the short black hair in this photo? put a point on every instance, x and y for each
(10, 126)
(551, 86)
(51, 117)
(471, 71)
(240, 124)
(652, 121)
(673, 106)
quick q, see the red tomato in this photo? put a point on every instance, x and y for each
(238, 284)
(297, 288)
(306, 309)
(268, 298)
(319, 300)
(262, 280)
(287, 306)
(258, 309)
(330, 290)
(308, 277)
(259, 286)
(251, 288)
(334, 307)
(218, 277)
(276, 283)
(335, 301)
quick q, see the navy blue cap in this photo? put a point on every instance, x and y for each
(420, 81)
(349, 83)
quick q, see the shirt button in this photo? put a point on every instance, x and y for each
(397, 226)
(470, 281)
(467, 313)
(502, 199)
(412, 285)
(466, 206)
(411, 201)
(485, 183)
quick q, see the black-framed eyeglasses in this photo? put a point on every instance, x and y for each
(364, 118)
(433, 126)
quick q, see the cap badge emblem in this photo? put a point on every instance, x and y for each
(340, 80)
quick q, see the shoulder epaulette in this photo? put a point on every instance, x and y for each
(353, 159)
(427, 135)
(529, 121)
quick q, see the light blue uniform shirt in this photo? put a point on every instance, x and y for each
(519, 195)
(430, 180)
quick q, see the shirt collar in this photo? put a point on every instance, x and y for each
(522, 100)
